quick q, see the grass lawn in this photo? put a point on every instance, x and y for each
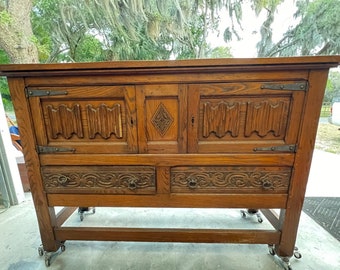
(328, 138)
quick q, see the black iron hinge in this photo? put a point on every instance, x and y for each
(300, 86)
(280, 148)
(41, 93)
(53, 149)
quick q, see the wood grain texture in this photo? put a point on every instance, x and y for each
(169, 235)
(222, 133)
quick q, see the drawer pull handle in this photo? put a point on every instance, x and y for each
(192, 183)
(267, 185)
(132, 185)
(63, 180)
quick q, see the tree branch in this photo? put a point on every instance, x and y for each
(324, 49)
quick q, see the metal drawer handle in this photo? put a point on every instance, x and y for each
(267, 185)
(63, 180)
(132, 185)
(192, 183)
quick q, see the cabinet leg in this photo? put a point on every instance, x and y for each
(252, 212)
(286, 263)
(49, 255)
(285, 260)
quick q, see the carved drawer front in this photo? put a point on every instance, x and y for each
(230, 179)
(99, 179)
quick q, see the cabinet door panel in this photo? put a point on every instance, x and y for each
(242, 117)
(162, 113)
(88, 120)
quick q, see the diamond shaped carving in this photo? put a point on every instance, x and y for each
(162, 119)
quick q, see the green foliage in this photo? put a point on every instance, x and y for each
(188, 47)
(42, 18)
(266, 31)
(220, 52)
(43, 47)
(258, 5)
(89, 49)
(333, 86)
(317, 33)
(4, 59)
(6, 98)
(5, 17)
(77, 31)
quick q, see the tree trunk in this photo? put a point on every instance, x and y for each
(16, 35)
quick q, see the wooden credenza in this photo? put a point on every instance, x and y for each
(223, 133)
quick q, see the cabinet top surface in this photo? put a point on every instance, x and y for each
(309, 62)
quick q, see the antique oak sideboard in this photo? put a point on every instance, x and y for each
(222, 133)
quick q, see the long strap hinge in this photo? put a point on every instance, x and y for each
(299, 86)
(53, 149)
(42, 93)
(279, 148)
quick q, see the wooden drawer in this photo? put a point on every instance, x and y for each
(99, 179)
(230, 179)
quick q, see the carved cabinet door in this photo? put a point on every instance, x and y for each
(86, 119)
(244, 117)
(162, 114)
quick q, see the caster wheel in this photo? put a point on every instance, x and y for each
(272, 251)
(260, 220)
(81, 217)
(297, 255)
(287, 266)
(41, 251)
(243, 214)
(62, 248)
(93, 210)
(47, 262)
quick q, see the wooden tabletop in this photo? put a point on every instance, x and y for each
(14, 70)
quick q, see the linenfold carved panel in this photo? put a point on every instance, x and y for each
(65, 121)
(99, 179)
(104, 121)
(245, 118)
(265, 117)
(221, 119)
(230, 179)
